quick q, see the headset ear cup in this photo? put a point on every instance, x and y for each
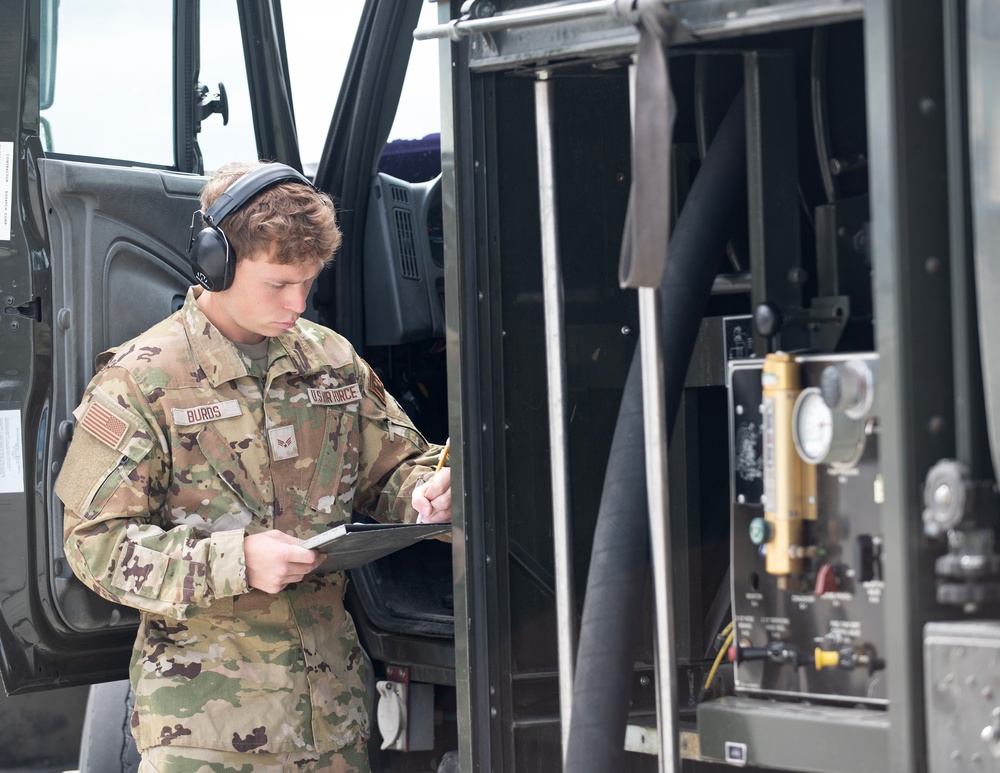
(212, 260)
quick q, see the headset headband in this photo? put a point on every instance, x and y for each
(249, 185)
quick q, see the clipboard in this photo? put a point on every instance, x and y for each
(351, 545)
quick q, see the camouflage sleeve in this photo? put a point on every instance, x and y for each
(395, 457)
(113, 486)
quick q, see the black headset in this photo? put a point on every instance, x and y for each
(213, 260)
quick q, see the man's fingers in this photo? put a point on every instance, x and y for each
(275, 560)
(442, 501)
(296, 554)
(438, 516)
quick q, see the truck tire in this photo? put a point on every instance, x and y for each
(107, 745)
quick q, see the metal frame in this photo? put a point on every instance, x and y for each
(906, 96)
(472, 655)
(906, 142)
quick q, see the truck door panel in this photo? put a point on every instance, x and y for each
(119, 265)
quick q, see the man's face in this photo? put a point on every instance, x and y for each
(265, 299)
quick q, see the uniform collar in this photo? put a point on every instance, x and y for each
(221, 361)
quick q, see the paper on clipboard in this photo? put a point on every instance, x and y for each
(351, 545)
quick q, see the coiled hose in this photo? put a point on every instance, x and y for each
(619, 563)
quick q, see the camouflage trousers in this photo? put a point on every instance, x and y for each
(166, 759)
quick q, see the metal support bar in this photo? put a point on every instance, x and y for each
(732, 284)
(905, 89)
(555, 354)
(657, 490)
(719, 18)
(772, 187)
(656, 443)
(460, 28)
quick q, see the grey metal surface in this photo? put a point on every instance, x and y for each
(794, 736)
(962, 690)
(983, 25)
(41, 731)
(906, 146)
(604, 28)
(972, 439)
(465, 412)
(555, 357)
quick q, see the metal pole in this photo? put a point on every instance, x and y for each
(458, 29)
(657, 489)
(691, 16)
(555, 355)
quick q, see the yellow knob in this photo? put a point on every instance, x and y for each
(826, 658)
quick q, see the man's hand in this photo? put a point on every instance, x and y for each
(275, 559)
(432, 499)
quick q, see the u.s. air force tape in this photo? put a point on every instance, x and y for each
(346, 394)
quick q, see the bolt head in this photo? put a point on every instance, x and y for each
(942, 495)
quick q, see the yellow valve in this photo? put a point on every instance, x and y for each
(784, 478)
(826, 659)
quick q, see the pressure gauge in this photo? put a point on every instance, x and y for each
(823, 435)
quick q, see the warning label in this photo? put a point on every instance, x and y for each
(11, 457)
(6, 188)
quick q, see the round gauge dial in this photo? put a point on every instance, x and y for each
(823, 435)
(812, 426)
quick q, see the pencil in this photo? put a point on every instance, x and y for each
(444, 456)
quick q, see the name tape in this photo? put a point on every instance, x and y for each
(199, 414)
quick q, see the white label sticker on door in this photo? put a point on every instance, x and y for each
(6, 188)
(11, 456)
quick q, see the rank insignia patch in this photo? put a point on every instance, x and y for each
(282, 439)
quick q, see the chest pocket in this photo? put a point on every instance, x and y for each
(331, 489)
(234, 472)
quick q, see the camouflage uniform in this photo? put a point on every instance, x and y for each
(180, 451)
(165, 759)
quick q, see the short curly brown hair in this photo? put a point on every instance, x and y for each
(293, 222)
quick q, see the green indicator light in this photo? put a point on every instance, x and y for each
(760, 531)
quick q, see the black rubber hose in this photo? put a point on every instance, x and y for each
(619, 563)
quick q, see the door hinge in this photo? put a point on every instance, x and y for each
(29, 310)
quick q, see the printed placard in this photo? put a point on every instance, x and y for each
(11, 453)
(6, 189)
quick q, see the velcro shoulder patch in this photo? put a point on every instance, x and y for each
(375, 387)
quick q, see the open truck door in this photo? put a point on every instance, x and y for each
(108, 121)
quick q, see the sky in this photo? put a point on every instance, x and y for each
(114, 69)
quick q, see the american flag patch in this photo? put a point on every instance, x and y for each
(104, 425)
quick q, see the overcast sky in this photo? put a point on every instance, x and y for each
(113, 89)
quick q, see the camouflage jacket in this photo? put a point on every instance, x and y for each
(179, 452)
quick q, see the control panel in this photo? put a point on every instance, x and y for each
(807, 539)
